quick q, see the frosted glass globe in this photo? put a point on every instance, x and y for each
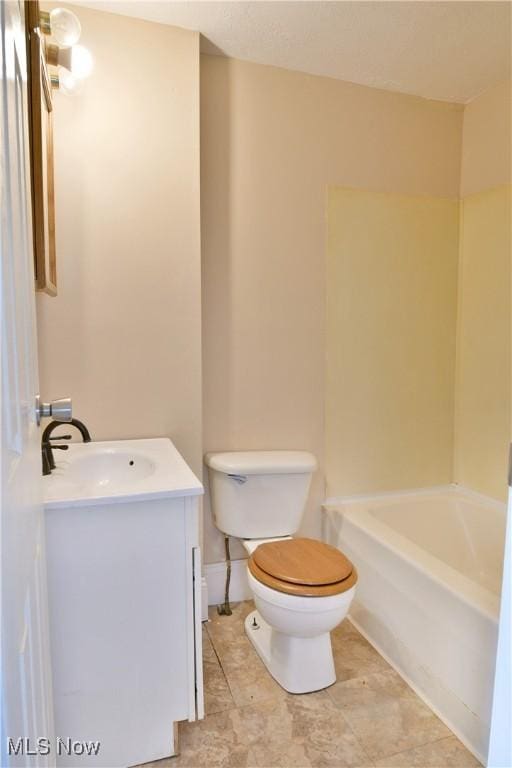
(81, 62)
(67, 83)
(65, 27)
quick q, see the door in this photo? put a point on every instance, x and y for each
(500, 743)
(25, 671)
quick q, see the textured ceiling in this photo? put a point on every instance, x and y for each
(439, 50)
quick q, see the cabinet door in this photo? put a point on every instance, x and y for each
(121, 611)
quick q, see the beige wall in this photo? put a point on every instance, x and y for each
(391, 318)
(487, 145)
(272, 141)
(123, 336)
(483, 391)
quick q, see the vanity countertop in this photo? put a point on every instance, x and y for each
(118, 471)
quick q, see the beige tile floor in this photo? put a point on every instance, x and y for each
(368, 718)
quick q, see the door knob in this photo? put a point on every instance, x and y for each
(60, 410)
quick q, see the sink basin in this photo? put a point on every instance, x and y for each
(118, 471)
(109, 467)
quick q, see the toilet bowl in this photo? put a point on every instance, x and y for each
(290, 628)
(302, 588)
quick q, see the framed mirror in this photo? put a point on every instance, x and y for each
(41, 154)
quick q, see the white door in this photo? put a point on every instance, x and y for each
(25, 671)
(500, 743)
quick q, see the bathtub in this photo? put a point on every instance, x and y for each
(430, 567)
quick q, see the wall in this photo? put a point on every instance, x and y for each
(486, 144)
(391, 318)
(272, 141)
(483, 389)
(123, 336)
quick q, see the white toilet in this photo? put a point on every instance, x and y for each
(302, 588)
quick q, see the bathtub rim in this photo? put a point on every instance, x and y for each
(431, 490)
(472, 594)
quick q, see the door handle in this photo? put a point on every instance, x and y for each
(59, 410)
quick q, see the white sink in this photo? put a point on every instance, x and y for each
(118, 471)
(109, 467)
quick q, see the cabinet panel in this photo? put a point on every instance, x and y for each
(198, 637)
(119, 615)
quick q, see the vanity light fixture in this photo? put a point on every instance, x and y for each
(74, 62)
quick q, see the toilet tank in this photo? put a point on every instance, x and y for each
(259, 494)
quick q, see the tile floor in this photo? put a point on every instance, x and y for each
(369, 719)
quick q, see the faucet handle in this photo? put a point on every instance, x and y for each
(59, 410)
(60, 437)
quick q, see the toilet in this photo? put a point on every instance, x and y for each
(302, 587)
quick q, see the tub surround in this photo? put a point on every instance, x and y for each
(391, 318)
(431, 606)
(483, 375)
(483, 416)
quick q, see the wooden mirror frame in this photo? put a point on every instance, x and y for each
(41, 154)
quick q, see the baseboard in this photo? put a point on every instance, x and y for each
(215, 574)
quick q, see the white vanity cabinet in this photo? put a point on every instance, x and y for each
(124, 583)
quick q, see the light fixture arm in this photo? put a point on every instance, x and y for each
(56, 56)
(45, 24)
(52, 55)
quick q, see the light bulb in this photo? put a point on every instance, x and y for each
(81, 62)
(65, 27)
(77, 59)
(67, 82)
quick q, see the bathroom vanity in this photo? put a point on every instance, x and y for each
(124, 583)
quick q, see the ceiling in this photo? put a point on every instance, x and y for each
(439, 50)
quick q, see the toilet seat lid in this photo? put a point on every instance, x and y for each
(303, 561)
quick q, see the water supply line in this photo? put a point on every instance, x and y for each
(225, 609)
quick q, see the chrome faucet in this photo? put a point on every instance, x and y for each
(47, 447)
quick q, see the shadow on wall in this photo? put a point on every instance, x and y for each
(216, 276)
(262, 316)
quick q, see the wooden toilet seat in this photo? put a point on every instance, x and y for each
(304, 567)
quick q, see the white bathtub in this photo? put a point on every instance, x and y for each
(430, 565)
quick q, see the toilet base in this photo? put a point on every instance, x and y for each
(298, 664)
